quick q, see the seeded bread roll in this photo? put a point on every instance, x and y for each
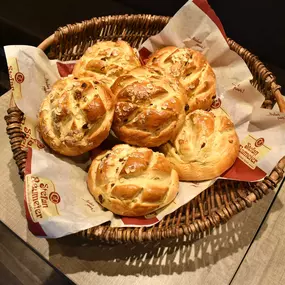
(76, 116)
(150, 107)
(206, 146)
(132, 181)
(106, 61)
(193, 71)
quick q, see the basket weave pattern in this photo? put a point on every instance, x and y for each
(213, 206)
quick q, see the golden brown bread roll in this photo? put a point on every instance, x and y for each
(106, 61)
(76, 116)
(150, 107)
(193, 71)
(132, 181)
(206, 146)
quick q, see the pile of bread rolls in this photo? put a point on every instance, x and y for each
(164, 104)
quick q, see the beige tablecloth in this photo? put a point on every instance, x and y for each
(211, 260)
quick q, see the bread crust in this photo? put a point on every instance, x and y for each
(131, 181)
(206, 146)
(106, 61)
(150, 107)
(193, 71)
(77, 115)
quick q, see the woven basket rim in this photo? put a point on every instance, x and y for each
(79, 26)
(167, 228)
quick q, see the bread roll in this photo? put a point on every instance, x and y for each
(106, 61)
(150, 107)
(132, 181)
(193, 71)
(206, 146)
(76, 116)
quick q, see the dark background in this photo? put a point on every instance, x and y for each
(257, 25)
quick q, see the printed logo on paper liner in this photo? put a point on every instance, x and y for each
(259, 142)
(252, 150)
(16, 77)
(216, 103)
(31, 138)
(196, 44)
(47, 86)
(245, 168)
(54, 197)
(277, 115)
(41, 197)
(34, 227)
(238, 88)
(19, 77)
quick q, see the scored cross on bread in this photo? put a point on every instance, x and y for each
(193, 71)
(76, 116)
(132, 181)
(150, 107)
(106, 61)
(205, 147)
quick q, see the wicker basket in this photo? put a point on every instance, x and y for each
(213, 206)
